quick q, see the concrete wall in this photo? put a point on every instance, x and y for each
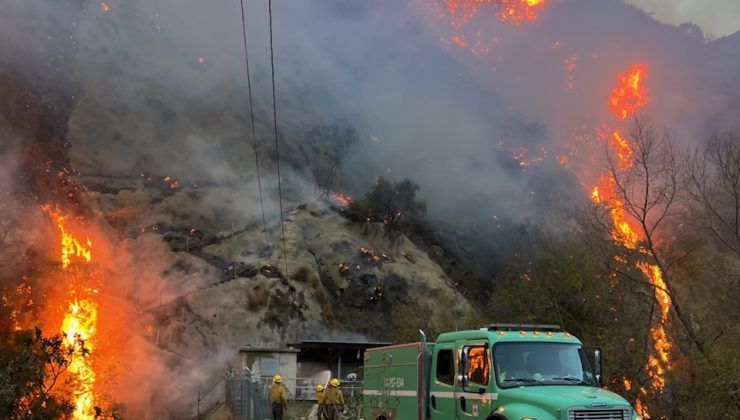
(285, 364)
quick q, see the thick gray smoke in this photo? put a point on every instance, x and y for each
(164, 89)
(717, 18)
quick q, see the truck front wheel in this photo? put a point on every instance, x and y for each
(496, 416)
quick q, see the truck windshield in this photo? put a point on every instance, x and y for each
(537, 364)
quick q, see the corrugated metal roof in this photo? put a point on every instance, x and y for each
(266, 350)
(320, 344)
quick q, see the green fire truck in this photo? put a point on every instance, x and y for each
(500, 372)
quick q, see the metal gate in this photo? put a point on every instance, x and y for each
(246, 399)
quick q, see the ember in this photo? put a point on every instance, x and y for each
(369, 256)
(268, 271)
(408, 257)
(520, 11)
(512, 11)
(343, 200)
(377, 294)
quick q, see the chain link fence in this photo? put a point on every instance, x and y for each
(246, 398)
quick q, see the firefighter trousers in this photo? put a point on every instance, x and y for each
(277, 412)
(321, 412)
(333, 411)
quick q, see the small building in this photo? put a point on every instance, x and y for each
(266, 363)
(320, 360)
(308, 363)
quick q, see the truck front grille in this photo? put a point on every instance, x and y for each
(584, 414)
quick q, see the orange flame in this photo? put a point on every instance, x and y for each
(623, 149)
(71, 247)
(520, 11)
(513, 11)
(626, 99)
(657, 366)
(105, 6)
(342, 199)
(630, 94)
(623, 232)
(461, 11)
(641, 410)
(79, 324)
(459, 40)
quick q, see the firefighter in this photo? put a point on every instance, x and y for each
(321, 402)
(334, 400)
(278, 397)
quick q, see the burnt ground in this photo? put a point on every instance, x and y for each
(473, 284)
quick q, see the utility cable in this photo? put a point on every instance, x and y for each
(277, 151)
(254, 133)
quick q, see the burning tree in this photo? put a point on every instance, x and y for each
(30, 378)
(639, 190)
(641, 193)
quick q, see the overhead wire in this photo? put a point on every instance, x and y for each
(254, 133)
(277, 150)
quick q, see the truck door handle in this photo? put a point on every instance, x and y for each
(434, 402)
(462, 403)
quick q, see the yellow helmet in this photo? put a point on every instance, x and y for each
(335, 382)
(277, 379)
(319, 388)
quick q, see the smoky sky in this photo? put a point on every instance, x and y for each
(162, 90)
(717, 17)
(450, 118)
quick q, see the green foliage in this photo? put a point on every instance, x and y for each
(561, 281)
(575, 280)
(389, 203)
(31, 366)
(353, 410)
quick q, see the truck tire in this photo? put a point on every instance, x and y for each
(496, 416)
(382, 418)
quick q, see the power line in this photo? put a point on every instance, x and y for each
(254, 134)
(277, 151)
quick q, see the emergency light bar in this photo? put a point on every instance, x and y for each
(524, 327)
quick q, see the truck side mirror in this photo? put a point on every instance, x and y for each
(597, 365)
(464, 367)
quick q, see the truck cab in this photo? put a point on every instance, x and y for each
(501, 372)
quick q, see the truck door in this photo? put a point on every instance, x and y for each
(442, 382)
(473, 382)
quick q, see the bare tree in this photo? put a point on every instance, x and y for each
(714, 185)
(323, 147)
(646, 191)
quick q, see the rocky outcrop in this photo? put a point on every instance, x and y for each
(390, 286)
